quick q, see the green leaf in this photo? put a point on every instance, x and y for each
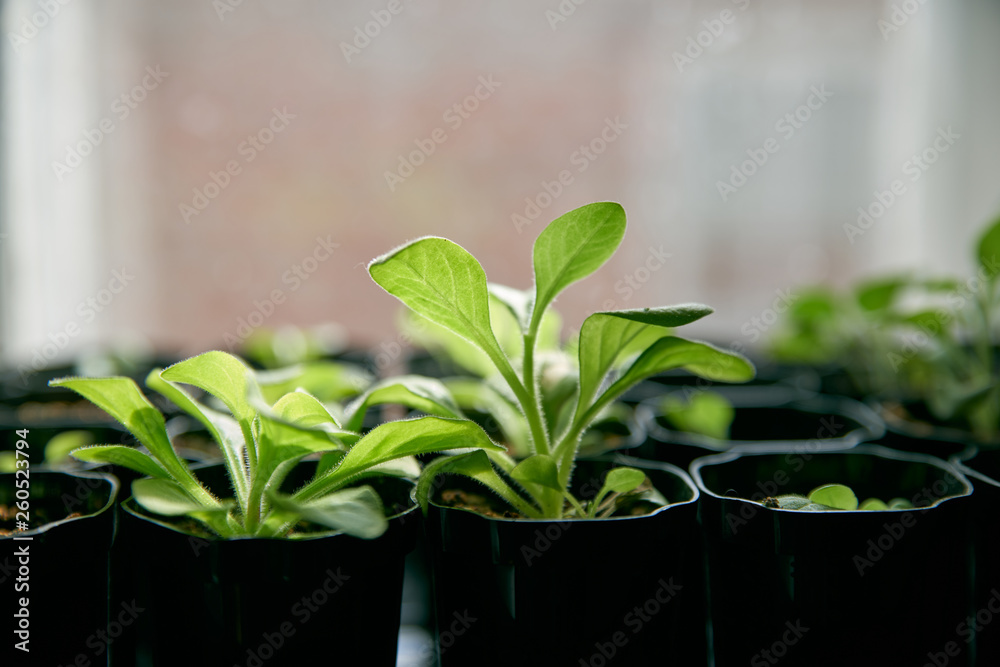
(59, 448)
(121, 455)
(873, 504)
(413, 391)
(988, 250)
(540, 470)
(296, 426)
(701, 359)
(474, 465)
(836, 496)
(792, 502)
(572, 247)
(704, 412)
(879, 294)
(121, 398)
(618, 480)
(329, 381)
(166, 497)
(395, 440)
(623, 480)
(900, 504)
(605, 337)
(220, 374)
(223, 429)
(441, 281)
(355, 511)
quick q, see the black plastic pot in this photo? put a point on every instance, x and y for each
(837, 587)
(774, 414)
(60, 568)
(923, 436)
(254, 602)
(622, 591)
(982, 467)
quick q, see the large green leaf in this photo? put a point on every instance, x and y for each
(121, 398)
(414, 391)
(163, 496)
(572, 247)
(606, 336)
(988, 250)
(223, 429)
(119, 455)
(221, 375)
(395, 440)
(440, 280)
(355, 511)
(699, 358)
(474, 465)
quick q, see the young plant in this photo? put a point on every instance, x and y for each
(442, 282)
(906, 339)
(832, 497)
(261, 442)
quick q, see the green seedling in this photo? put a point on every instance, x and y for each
(262, 441)
(833, 497)
(440, 281)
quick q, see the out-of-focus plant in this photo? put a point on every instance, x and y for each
(929, 342)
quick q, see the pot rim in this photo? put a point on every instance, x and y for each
(620, 459)
(871, 427)
(112, 497)
(868, 449)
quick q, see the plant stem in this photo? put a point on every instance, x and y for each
(528, 405)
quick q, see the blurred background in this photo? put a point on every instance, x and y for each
(176, 175)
